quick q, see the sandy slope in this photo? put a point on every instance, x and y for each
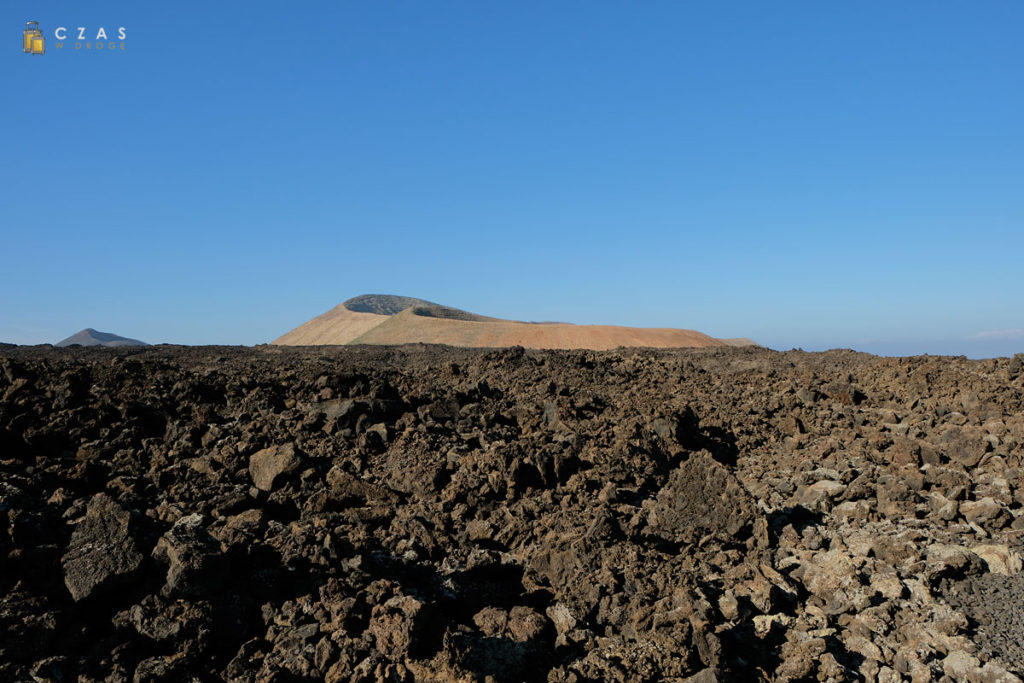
(407, 327)
(337, 326)
(433, 324)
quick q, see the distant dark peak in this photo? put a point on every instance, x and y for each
(91, 337)
(103, 336)
(384, 304)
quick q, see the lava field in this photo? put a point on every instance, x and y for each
(425, 513)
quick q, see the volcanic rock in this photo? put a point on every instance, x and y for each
(196, 565)
(398, 625)
(102, 553)
(430, 513)
(702, 496)
(268, 465)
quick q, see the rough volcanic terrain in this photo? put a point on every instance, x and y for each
(438, 514)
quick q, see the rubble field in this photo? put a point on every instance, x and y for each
(424, 513)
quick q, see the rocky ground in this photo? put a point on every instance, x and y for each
(427, 513)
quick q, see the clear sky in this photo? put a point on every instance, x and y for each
(806, 174)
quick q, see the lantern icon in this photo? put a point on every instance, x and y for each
(33, 40)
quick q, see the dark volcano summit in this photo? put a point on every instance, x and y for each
(91, 337)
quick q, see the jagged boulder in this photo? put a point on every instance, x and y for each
(702, 496)
(103, 552)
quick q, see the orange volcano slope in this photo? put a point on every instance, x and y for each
(386, 319)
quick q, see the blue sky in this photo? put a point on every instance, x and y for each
(806, 174)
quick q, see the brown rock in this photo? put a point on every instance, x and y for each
(999, 558)
(820, 493)
(267, 466)
(398, 626)
(702, 496)
(963, 447)
(981, 511)
(525, 623)
(491, 620)
(563, 619)
(196, 565)
(102, 553)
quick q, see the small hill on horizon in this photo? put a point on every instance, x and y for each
(91, 337)
(389, 319)
(738, 341)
